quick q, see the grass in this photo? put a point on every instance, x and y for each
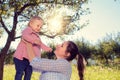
(102, 73)
(91, 73)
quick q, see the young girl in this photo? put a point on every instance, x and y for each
(30, 35)
(59, 69)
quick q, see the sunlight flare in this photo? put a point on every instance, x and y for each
(57, 20)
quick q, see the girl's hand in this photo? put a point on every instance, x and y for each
(49, 49)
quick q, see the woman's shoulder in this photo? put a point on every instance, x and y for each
(64, 62)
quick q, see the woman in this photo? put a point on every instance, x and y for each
(59, 69)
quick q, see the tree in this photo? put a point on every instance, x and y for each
(117, 45)
(107, 50)
(109, 47)
(20, 11)
(84, 48)
(5, 9)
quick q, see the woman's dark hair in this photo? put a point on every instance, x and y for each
(73, 50)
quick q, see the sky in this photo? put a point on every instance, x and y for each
(104, 19)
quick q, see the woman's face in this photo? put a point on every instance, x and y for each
(60, 50)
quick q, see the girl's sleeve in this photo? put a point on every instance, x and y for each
(44, 47)
(27, 35)
(50, 65)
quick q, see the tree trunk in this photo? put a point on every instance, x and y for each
(3, 54)
(106, 60)
(2, 58)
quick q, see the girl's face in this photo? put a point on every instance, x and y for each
(36, 25)
(60, 50)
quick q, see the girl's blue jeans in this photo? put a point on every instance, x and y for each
(22, 67)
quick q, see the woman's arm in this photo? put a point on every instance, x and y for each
(42, 64)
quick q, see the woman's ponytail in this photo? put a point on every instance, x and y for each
(73, 50)
(80, 66)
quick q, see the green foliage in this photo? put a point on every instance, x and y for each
(84, 48)
(9, 57)
(1, 32)
(109, 48)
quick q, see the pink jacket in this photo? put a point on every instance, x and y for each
(29, 35)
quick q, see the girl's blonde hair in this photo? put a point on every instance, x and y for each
(34, 18)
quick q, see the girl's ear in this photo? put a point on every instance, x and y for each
(30, 23)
